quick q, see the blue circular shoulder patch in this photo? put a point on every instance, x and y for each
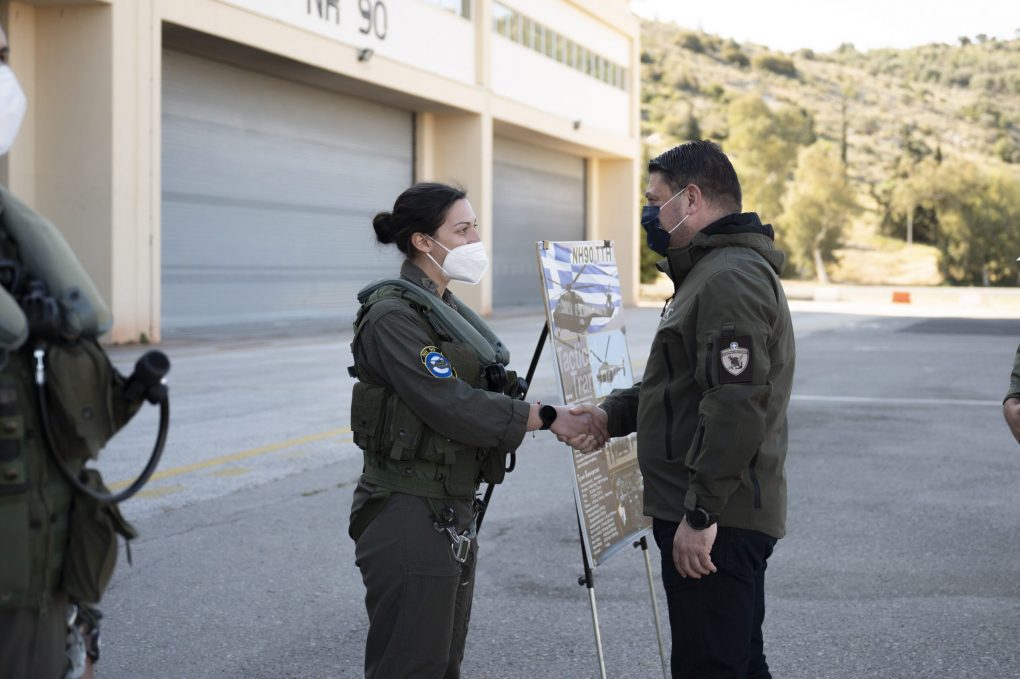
(437, 364)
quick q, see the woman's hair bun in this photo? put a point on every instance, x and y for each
(383, 225)
(419, 209)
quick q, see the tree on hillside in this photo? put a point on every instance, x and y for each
(776, 63)
(763, 148)
(978, 214)
(847, 93)
(909, 194)
(917, 190)
(818, 207)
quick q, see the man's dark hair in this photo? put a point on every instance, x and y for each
(420, 209)
(702, 163)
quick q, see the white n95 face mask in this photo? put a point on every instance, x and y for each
(12, 108)
(467, 263)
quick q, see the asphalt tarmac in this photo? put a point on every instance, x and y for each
(902, 557)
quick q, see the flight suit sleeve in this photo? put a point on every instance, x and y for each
(1014, 382)
(393, 340)
(621, 408)
(735, 316)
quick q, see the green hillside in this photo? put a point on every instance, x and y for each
(849, 154)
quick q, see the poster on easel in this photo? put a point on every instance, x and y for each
(584, 310)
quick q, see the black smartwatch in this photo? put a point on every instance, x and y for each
(699, 519)
(548, 415)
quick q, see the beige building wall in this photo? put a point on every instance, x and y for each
(88, 156)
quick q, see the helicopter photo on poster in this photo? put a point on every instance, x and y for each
(583, 302)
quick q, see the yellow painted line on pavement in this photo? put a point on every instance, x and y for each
(230, 471)
(159, 492)
(243, 455)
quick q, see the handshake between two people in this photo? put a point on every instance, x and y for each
(582, 427)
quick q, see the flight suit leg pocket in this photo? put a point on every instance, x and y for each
(92, 543)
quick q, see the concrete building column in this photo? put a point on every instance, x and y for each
(86, 156)
(135, 172)
(462, 154)
(614, 202)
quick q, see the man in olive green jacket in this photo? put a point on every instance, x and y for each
(710, 413)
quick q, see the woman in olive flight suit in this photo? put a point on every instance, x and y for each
(433, 421)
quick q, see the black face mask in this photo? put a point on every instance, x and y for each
(656, 238)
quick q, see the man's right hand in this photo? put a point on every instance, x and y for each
(599, 421)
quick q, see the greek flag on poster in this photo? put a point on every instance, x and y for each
(597, 285)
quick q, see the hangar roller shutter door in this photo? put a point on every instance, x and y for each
(538, 194)
(269, 188)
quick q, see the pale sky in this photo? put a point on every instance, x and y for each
(823, 25)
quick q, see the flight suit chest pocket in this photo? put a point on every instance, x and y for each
(12, 464)
(404, 432)
(456, 463)
(368, 415)
(12, 432)
(381, 422)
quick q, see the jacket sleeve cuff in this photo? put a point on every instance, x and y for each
(517, 427)
(711, 504)
(1015, 394)
(615, 418)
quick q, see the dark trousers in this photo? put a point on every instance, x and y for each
(716, 621)
(417, 595)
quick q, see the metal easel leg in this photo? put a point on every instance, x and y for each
(588, 580)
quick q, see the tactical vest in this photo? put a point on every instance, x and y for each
(35, 500)
(402, 453)
(53, 539)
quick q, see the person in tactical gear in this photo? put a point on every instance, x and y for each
(60, 401)
(434, 411)
(710, 412)
(1011, 404)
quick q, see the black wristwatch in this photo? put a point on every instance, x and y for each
(699, 519)
(548, 415)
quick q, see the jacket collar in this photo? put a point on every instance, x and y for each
(412, 272)
(738, 229)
